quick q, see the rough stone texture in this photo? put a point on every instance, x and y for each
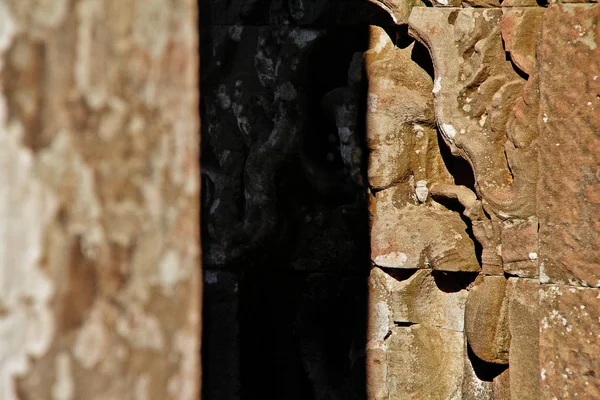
(428, 299)
(399, 10)
(410, 229)
(486, 319)
(422, 311)
(425, 363)
(569, 120)
(519, 247)
(419, 236)
(433, 366)
(475, 91)
(523, 322)
(415, 310)
(569, 342)
(99, 192)
(491, 91)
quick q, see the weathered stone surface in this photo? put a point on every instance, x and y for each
(500, 76)
(424, 363)
(425, 297)
(569, 120)
(486, 319)
(520, 3)
(401, 132)
(484, 381)
(475, 91)
(523, 322)
(410, 229)
(433, 300)
(99, 198)
(399, 10)
(473, 387)
(569, 342)
(520, 29)
(379, 325)
(502, 388)
(481, 3)
(520, 247)
(415, 236)
(407, 310)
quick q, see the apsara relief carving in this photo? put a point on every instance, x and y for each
(471, 253)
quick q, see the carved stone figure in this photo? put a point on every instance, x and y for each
(493, 105)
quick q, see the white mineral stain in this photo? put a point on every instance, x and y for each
(381, 43)
(372, 102)
(394, 259)
(437, 85)
(482, 120)
(419, 130)
(533, 256)
(543, 277)
(381, 321)
(448, 131)
(421, 191)
(588, 40)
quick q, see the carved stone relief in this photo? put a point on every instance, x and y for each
(471, 255)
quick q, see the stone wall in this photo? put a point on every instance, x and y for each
(99, 200)
(485, 278)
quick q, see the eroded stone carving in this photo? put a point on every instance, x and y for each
(404, 160)
(492, 98)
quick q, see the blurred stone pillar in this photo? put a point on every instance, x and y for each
(99, 197)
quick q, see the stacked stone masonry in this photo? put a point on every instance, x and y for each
(485, 279)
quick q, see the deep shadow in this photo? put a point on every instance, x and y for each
(484, 370)
(452, 282)
(463, 175)
(399, 274)
(285, 318)
(459, 168)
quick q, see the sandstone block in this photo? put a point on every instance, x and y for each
(427, 363)
(523, 319)
(420, 299)
(569, 156)
(569, 342)
(414, 236)
(486, 319)
(520, 247)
